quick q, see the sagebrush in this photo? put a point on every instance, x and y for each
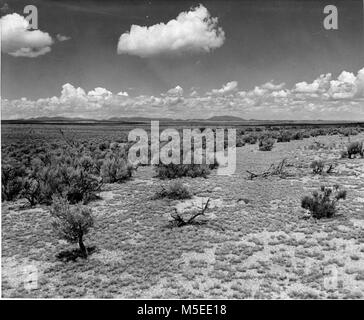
(71, 223)
(323, 203)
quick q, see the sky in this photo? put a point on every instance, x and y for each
(183, 59)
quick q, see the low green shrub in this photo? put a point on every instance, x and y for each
(349, 132)
(116, 170)
(71, 223)
(172, 171)
(240, 141)
(11, 181)
(175, 190)
(355, 148)
(250, 138)
(32, 191)
(104, 145)
(266, 144)
(284, 136)
(323, 204)
(298, 135)
(317, 166)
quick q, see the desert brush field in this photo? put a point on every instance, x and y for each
(253, 236)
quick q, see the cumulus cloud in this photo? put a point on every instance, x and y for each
(323, 98)
(177, 91)
(273, 87)
(193, 31)
(71, 94)
(226, 89)
(123, 94)
(320, 84)
(347, 86)
(18, 41)
(280, 94)
(99, 92)
(257, 92)
(193, 93)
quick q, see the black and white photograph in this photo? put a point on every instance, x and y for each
(182, 150)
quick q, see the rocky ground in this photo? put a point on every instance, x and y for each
(254, 242)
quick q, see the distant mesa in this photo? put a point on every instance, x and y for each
(225, 118)
(116, 119)
(215, 120)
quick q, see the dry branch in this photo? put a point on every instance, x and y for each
(273, 170)
(179, 221)
(330, 168)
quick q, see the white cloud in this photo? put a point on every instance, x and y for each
(18, 41)
(193, 93)
(177, 91)
(257, 92)
(99, 93)
(273, 87)
(192, 31)
(228, 88)
(69, 92)
(62, 38)
(340, 98)
(347, 86)
(320, 84)
(280, 94)
(346, 77)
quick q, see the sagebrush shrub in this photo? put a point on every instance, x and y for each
(11, 181)
(71, 223)
(318, 132)
(284, 136)
(31, 190)
(193, 170)
(266, 144)
(71, 169)
(240, 141)
(298, 135)
(175, 190)
(317, 166)
(323, 204)
(73, 182)
(250, 138)
(172, 171)
(349, 132)
(306, 134)
(116, 170)
(87, 163)
(104, 145)
(81, 185)
(354, 148)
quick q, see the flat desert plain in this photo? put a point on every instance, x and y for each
(255, 240)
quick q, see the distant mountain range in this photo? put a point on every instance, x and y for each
(120, 119)
(215, 120)
(225, 118)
